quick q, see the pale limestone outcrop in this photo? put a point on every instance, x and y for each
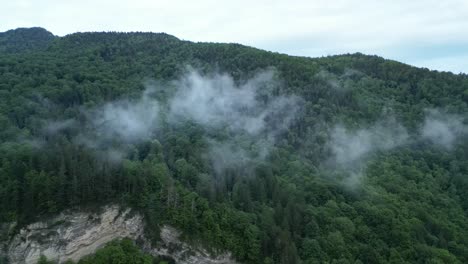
(183, 253)
(73, 235)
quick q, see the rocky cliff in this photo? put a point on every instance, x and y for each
(73, 235)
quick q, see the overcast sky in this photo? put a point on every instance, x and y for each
(426, 33)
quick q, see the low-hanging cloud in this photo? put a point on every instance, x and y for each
(216, 100)
(54, 127)
(351, 149)
(128, 121)
(249, 111)
(111, 128)
(351, 146)
(225, 155)
(108, 129)
(443, 129)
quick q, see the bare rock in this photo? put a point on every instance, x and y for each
(73, 235)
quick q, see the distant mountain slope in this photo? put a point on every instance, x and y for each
(275, 158)
(25, 39)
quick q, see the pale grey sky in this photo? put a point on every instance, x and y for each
(426, 33)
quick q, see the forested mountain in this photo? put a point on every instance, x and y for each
(275, 158)
(25, 40)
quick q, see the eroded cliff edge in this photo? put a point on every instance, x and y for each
(73, 235)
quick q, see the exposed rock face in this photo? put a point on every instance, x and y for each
(71, 236)
(181, 252)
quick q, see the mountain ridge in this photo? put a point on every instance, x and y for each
(25, 39)
(162, 37)
(274, 158)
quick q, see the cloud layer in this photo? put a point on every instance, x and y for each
(126, 120)
(443, 129)
(246, 112)
(216, 101)
(351, 147)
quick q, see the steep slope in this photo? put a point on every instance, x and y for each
(25, 39)
(74, 235)
(277, 159)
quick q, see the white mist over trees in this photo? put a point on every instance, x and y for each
(247, 110)
(321, 160)
(250, 113)
(443, 129)
(351, 149)
(216, 101)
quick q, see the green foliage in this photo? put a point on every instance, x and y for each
(411, 207)
(43, 260)
(118, 252)
(25, 40)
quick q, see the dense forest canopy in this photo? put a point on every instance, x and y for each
(277, 159)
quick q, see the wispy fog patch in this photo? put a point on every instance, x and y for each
(32, 142)
(239, 154)
(54, 127)
(253, 116)
(339, 83)
(351, 148)
(225, 155)
(216, 100)
(443, 129)
(251, 112)
(128, 121)
(125, 121)
(112, 155)
(110, 129)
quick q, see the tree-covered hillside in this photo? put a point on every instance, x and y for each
(25, 40)
(278, 159)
